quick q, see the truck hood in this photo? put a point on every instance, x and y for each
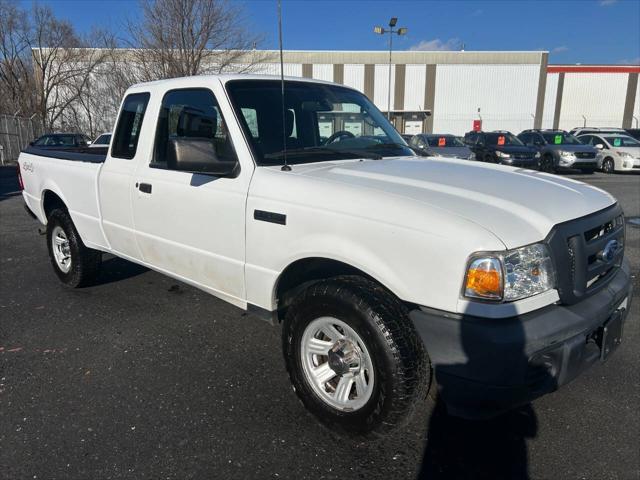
(518, 206)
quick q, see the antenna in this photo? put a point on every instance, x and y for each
(285, 167)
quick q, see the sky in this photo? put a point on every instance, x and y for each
(573, 31)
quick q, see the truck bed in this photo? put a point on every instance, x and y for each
(70, 175)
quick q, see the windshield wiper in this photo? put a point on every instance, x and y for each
(297, 152)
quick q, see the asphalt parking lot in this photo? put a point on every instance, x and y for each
(144, 377)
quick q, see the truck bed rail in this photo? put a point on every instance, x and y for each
(91, 155)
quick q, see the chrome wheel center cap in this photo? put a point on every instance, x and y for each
(344, 357)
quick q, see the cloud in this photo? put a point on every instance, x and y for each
(437, 45)
(560, 49)
(607, 3)
(630, 61)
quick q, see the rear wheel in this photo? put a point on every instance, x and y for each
(608, 166)
(354, 357)
(74, 263)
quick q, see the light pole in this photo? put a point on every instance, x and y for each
(391, 31)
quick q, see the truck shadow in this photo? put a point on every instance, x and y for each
(458, 447)
(116, 269)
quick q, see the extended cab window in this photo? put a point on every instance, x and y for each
(125, 140)
(190, 119)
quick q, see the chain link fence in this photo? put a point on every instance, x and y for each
(15, 134)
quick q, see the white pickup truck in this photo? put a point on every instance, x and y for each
(389, 272)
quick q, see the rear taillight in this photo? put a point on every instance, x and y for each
(20, 182)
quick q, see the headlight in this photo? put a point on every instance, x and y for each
(502, 154)
(537, 155)
(625, 155)
(564, 153)
(510, 275)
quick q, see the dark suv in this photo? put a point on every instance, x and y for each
(559, 150)
(501, 147)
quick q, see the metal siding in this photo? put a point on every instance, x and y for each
(599, 97)
(506, 94)
(414, 86)
(550, 100)
(290, 69)
(323, 71)
(354, 76)
(381, 88)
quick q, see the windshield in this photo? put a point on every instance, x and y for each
(444, 141)
(501, 139)
(561, 139)
(103, 139)
(56, 141)
(622, 141)
(321, 123)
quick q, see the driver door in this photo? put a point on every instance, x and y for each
(187, 224)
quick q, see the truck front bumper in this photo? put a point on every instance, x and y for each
(486, 366)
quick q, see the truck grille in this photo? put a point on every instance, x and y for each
(585, 155)
(587, 252)
(523, 156)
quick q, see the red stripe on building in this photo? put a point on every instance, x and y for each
(593, 69)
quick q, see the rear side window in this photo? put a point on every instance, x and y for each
(125, 140)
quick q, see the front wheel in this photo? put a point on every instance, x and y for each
(354, 357)
(546, 164)
(74, 263)
(608, 166)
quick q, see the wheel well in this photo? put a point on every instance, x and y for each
(302, 273)
(50, 202)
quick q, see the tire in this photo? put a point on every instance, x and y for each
(546, 164)
(608, 166)
(83, 263)
(399, 372)
(489, 158)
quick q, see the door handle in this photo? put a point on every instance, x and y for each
(144, 187)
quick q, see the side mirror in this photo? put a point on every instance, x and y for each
(599, 146)
(197, 155)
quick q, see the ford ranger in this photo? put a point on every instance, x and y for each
(391, 274)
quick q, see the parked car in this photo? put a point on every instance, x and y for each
(559, 150)
(61, 140)
(102, 140)
(584, 130)
(633, 132)
(501, 147)
(617, 152)
(385, 269)
(443, 145)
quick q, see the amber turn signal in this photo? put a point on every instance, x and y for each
(484, 279)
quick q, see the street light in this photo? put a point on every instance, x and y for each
(391, 31)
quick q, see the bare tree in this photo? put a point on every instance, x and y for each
(16, 71)
(178, 38)
(63, 64)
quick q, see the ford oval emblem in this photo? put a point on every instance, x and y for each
(609, 251)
